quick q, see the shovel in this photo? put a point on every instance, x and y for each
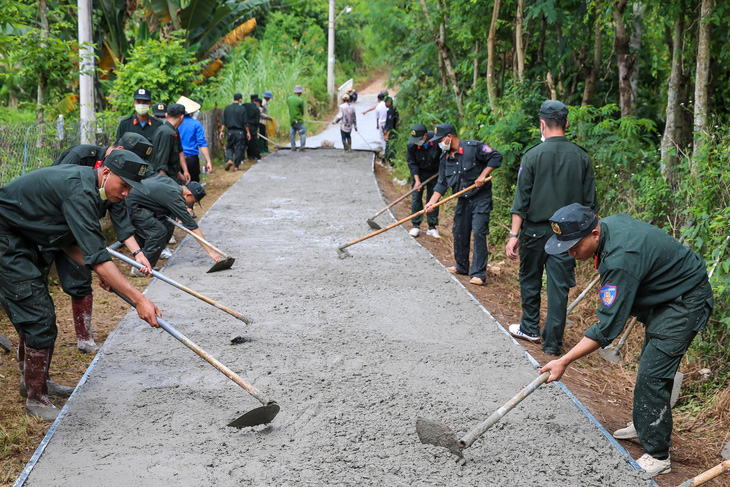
(435, 433)
(374, 225)
(715, 471)
(227, 261)
(613, 354)
(344, 253)
(261, 415)
(269, 140)
(163, 278)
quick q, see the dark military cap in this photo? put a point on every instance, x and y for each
(159, 110)
(554, 109)
(197, 189)
(254, 97)
(175, 109)
(570, 224)
(128, 166)
(136, 143)
(417, 132)
(238, 96)
(142, 94)
(442, 130)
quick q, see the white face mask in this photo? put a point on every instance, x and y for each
(444, 146)
(542, 133)
(141, 108)
(196, 114)
(102, 190)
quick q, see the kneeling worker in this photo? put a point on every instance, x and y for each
(148, 209)
(58, 207)
(647, 273)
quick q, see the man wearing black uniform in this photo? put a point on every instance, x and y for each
(165, 158)
(552, 174)
(234, 119)
(148, 211)
(464, 163)
(423, 158)
(647, 273)
(253, 114)
(58, 207)
(390, 130)
(75, 279)
(140, 123)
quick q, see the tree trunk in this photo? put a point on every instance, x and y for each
(551, 86)
(669, 160)
(440, 40)
(519, 47)
(702, 76)
(541, 43)
(442, 69)
(490, 56)
(589, 90)
(635, 45)
(42, 78)
(625, 61)
(476, 66)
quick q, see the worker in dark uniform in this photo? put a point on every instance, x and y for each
(264, 107)
(423, 158)
(75, 278)
(646, 273)
(159, 110)
(58, 207)
(166, 152)
(464, 163)
(390, 131)
(140, 123)
(234, 119)
(552, 174)
(253, 114)
(148, 211)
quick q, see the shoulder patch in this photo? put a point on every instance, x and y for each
(520, 171)
(608, 295)
(486, 148)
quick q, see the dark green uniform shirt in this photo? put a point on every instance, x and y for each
(166, 151)
(234, 116)
(641, 267)
(93, 156)
(165, 199)
(460, 172)
(252, 115)
(424, 157)
(554, 174)
(57, 207)
(132, 124)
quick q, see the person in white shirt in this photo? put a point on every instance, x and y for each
(381, 116)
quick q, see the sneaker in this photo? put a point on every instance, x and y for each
(166, 253)
(172, 240)
(477, 281)
(515, 331)
(136, 273)
(452, 269)
(654, 466)
(627, 433)
(229, 164)
(432, 232)
(415, 232)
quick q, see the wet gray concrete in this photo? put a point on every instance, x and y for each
(354, 350)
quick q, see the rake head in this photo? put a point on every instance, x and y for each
(224, 264)
(610, 354)
(342, 253)
(255, 417)
(438, 434)
(373, 225)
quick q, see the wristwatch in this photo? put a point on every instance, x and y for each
(134, 254)
(513, 235)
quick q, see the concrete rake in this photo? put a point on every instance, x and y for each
(224, 264)
(432, 432)
(261, 415)
(371, 221)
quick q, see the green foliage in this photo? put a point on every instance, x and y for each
(164, 67)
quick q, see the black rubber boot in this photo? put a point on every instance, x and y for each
(35, 370)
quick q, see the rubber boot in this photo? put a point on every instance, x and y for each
(36, 366)
(82, 322)
(55, 390)
(347, 146)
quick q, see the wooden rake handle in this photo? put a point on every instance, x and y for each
(197, 237)
(716, 471)
(400, 222)
(423, 183)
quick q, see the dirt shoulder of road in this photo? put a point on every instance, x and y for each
(606, 389)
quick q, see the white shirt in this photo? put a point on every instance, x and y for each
(381, 114)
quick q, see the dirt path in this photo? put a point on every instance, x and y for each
(353, 350)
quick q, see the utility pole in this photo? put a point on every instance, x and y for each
(331, 56)
(86, 73)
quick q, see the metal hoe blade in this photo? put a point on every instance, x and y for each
(438, 434)
(255, 417)
(342, 253)
(610, 354)
(5, 344)
(226, 263)
(373, 225)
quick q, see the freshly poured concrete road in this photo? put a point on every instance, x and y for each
(354, 350)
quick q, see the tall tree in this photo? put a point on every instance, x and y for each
(624, 58)
(592, 69)
(669, 139)
(635, 45)
(519, 47)
(490, 56)
(42, 78)
(702, 75)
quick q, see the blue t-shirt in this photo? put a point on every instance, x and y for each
(192, 135)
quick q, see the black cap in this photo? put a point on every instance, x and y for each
(417, 132)
(197, 189)
(238, 96)
(128, 166)
(254, 97)
(554, 109)
(442, 130)
(570, 224)
(159, 109)
(175, 109)
(136, 143)
(142, 94)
